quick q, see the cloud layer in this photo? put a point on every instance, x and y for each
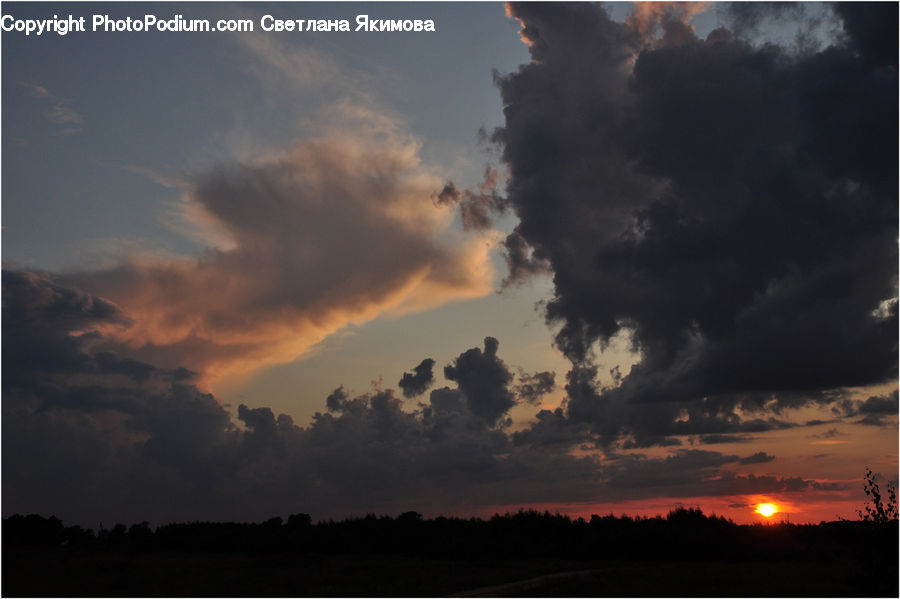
(93, 436)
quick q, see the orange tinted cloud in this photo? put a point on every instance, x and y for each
(507, 7)
(336, 230)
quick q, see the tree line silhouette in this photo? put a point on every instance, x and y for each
(684, 535)
(685, 532)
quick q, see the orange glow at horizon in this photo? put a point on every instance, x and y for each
(766, 510)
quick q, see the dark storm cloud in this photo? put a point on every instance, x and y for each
(484, 379)
(732, 208)
(871, 30)
(420, 379)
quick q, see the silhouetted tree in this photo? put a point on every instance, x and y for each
(117, 534)
(299, 521)
(879, 511)
(407, 517)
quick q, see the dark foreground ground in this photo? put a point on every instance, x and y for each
(525, 554)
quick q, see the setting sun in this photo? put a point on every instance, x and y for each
(767, 509)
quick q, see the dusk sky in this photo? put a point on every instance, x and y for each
(589, 258)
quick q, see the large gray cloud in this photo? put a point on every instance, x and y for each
(733, 209)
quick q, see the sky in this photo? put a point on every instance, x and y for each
(591, 258)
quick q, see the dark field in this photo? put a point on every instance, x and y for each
(525, 554)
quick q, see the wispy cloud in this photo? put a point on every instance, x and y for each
(36, 91)
(160, 178)
(60, 113)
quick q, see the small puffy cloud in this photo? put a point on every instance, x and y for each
(419, 380)
(484, 379)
